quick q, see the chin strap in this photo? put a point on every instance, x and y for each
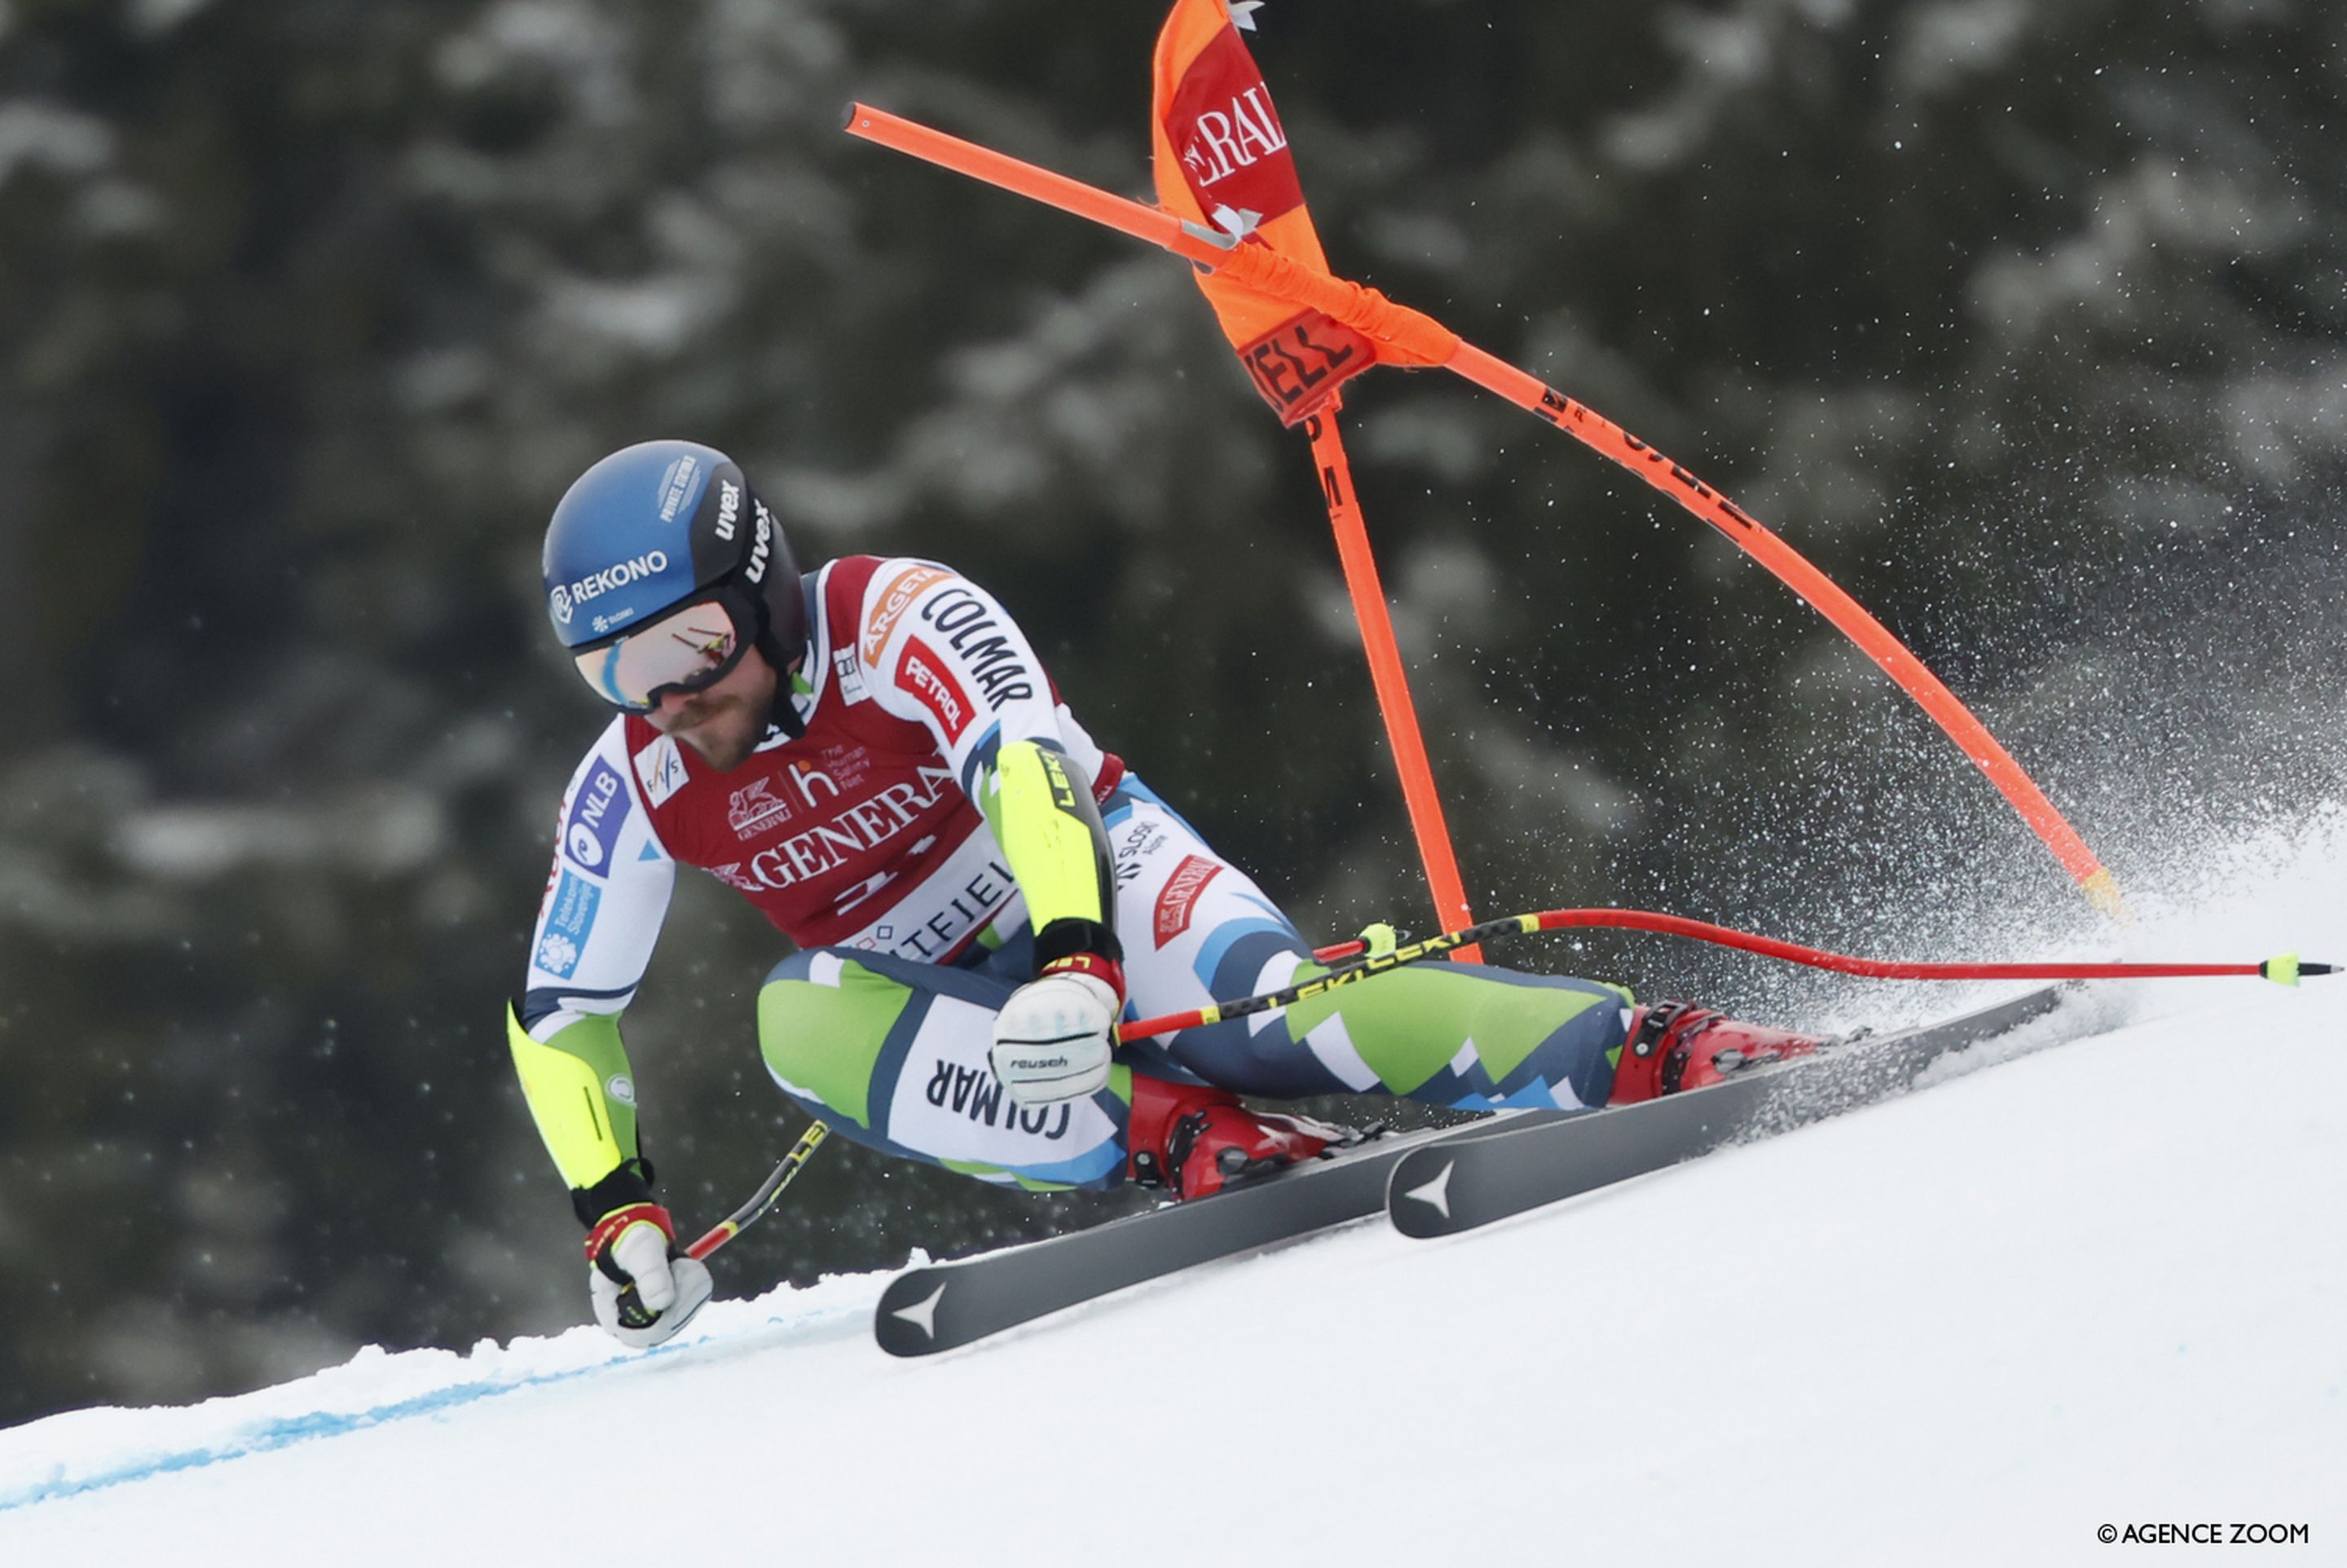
(790, 685)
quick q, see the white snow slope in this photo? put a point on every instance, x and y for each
(2061, 1288)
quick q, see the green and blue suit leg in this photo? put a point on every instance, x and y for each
(1196, 929)
(893, 1053)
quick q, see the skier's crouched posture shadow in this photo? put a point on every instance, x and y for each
(873, 754)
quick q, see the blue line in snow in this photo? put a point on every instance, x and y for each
(267, 1436)
(279, 1433)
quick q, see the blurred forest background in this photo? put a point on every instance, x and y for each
(2020, 317)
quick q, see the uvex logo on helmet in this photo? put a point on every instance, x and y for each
(568, 595)
(761, 544)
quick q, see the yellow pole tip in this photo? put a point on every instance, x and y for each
(2102, 889)
(2283, 971)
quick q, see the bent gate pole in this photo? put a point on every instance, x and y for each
(1434, 345)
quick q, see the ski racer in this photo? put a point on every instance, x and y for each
(873, 755)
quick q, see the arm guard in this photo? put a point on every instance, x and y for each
(583, 1100)
(1040, 805)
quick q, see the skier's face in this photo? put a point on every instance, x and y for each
(723, 721)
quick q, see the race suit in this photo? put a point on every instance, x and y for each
(941, 808)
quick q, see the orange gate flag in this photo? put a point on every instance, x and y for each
(1224, 167)
(1223, 162)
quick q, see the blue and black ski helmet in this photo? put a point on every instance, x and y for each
(656, 524)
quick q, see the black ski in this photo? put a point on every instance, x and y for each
(947, 1305)
(1458, 1185)
(1483, 1171)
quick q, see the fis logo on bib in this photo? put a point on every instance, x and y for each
(660, 766)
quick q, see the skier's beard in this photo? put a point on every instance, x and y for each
(726, 723)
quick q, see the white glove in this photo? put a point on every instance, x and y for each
(1053, 1037)
(670, 1289)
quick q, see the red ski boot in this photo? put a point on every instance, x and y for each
(1195, 1139)
(1676, 1045)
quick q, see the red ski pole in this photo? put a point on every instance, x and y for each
(2286, 970)
(761, 1199)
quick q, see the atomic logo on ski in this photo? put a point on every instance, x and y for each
(923, 1313)
(1436, 1194)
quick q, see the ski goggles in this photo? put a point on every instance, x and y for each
(686, 650)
